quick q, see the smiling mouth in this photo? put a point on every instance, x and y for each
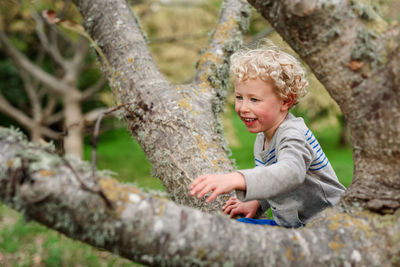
(248, 119)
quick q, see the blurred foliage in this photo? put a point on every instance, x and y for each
(16, 20)
(176, 43)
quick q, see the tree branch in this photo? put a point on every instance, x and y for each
(15, 113)
(32, 94)
(49, 109)
(156, 231)
(91, 116)
(233, 20)
(20, 60)
(50, 133)
(49, 47)
(54, 118)
(81, 51)
(122, 40)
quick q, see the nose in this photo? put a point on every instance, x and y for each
(243, 106)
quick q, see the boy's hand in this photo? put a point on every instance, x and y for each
(217, 183)
(234, 206)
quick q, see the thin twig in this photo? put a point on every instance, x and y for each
(96, 134)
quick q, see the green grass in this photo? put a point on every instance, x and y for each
(30, 244)
(119, 152)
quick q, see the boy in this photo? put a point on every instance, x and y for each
(292, 176)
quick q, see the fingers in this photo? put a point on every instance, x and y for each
(205, 190)
(229, 208)
(197, 181)
(216, 184)
(213, 196)
(235, 211)
(198, 185)
(229, 202)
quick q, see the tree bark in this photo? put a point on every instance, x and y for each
(177, 126)
(356, 56)
(63, 195)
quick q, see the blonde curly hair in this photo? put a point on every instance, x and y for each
(271, 64)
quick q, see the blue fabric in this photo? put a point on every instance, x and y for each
(258, 221)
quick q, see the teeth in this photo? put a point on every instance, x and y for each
(248, 120)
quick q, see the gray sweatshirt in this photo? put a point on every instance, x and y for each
(292, 175)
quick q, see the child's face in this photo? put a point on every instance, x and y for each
(259, 107)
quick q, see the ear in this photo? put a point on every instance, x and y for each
(288, 102)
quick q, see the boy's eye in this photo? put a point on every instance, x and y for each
(239, 97)
(253, 99)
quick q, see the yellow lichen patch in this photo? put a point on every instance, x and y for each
(339, 220)
(10, 163)
(378, 25)
(205, 86)
(195, 112)
(215, 163)
(335, 245)
(224, 29)
(45, 173)
(335, 222)
(289, 254)
(184, 103)
(130, 60)
(363, 226)
(115, 191)
(201, 253)
(119, 194)
(203, 145)
(209, 57)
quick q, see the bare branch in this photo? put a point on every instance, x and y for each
(50, 106)
(81, 51)
(32, 94)
(15, 113)
(93, 115)
(125, 40)
(23, 119)
(54, 118)
(50, 133)
(49, 47)
(20, 60)
(226, 39)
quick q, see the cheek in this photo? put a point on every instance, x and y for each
(263, 115)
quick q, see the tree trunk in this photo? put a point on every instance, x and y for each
(35, 133)
(359, 66)
(73, 141)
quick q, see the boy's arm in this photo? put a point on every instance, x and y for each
(218, 184)
(294, 158)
